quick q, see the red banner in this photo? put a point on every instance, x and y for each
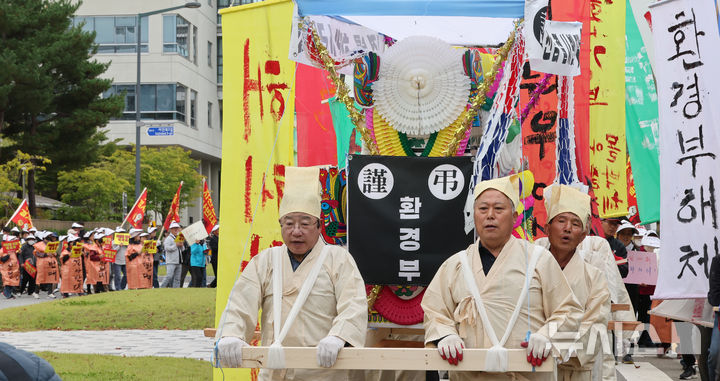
(316, 143)
(21, 217)
(137, 213)
(209, 218)
(539, 133)
(633, 214)
(30, 268)
(174, 212)
(10, 247)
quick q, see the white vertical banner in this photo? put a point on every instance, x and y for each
(560, 49)
(687, 52)
(535, 17)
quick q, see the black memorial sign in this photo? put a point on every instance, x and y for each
(405, 215)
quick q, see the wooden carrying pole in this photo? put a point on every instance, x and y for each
(391, 359)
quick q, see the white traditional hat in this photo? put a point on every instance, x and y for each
(62, 238)
(76, 225)
(302, 191)
(502, 184)
(32, 237)
(72, 238)
(15, 229)
(99, 234)
(144, 234)
(108, 231)
(174, 224)
(561, 198)
(134, 232)
(151, 229)
(119, 229)
(216, 227)
(87, 234)
(32, 230)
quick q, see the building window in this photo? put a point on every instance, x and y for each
(209, 56)
(222, 4)
(160, 101)
(219, 61)
(193, 108)
(195, 45)
(210, 115)
(115, 34)
(180, 100)
(176, 32)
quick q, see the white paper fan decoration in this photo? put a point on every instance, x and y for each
(422, 87)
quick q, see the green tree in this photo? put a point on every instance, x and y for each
(95, 192)
(50, 101)
(19, 169)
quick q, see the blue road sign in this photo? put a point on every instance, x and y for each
(161, 131)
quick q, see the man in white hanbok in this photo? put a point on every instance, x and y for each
(310, 294)
(568, 216)
(498, 288)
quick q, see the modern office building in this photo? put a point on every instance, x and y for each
(181, 76)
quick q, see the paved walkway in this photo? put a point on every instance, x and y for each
(135, 342)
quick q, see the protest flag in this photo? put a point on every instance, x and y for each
(137, 213)
(21, 217)
(209, 217)
(174, 213)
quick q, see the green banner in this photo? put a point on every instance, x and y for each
(344, 128)
(641, 122)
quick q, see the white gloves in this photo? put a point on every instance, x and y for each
(538, 349)
(327, 350)
(230, 351)
(451, 349)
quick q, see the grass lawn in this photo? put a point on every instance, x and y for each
(105, 367)
(162, 271)
(165, 308)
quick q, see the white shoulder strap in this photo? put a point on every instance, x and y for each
(277, 269)
(523, 294)
(475, 292)
(276, 356)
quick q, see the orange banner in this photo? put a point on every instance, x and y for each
(209, 217)
(174, 213)
(539, 133)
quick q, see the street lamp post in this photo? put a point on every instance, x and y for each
(138, 122)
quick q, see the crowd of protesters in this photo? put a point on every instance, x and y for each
(83, 261)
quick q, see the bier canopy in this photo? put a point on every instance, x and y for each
(458, 22)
